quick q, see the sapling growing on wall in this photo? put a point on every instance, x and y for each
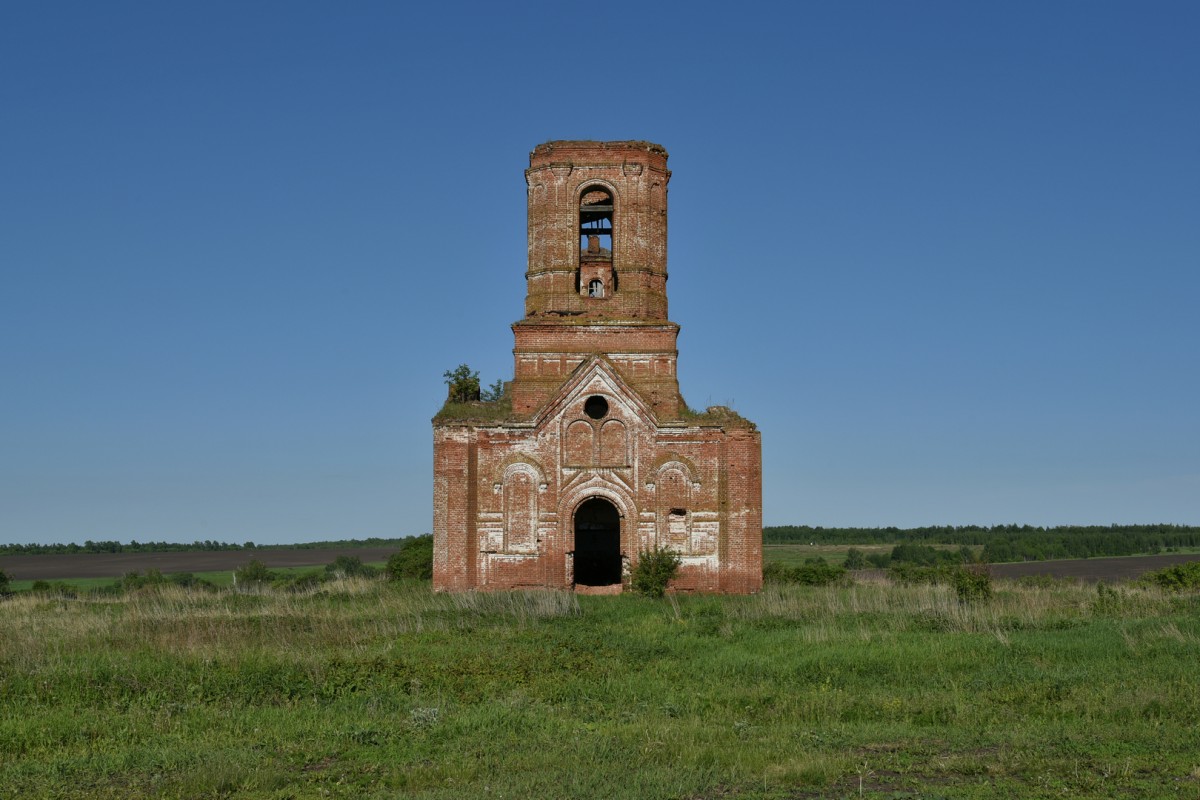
(463, 384)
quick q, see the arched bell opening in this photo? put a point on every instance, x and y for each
(596, 277)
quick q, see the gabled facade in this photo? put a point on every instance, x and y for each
(592, 456)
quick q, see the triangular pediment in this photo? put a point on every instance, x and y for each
(596, 375)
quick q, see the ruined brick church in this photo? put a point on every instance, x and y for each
(591, 455)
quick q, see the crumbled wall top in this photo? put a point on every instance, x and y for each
(590, 144)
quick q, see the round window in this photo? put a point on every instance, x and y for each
(595, 407)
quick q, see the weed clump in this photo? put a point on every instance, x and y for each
(134, 580)
(655, 569)
(1039, 581)
(253, 574)
(1183, 577)
(972, 584)
(349, 567)
(300, 582)
(186, 580)
(813, 572)
(915, 574)
(855, 559)
(57, 589)
(1109, 601)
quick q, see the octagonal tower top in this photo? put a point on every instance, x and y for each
(588, 150)
(597, 230)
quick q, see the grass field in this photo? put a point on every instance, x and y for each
(793, 554)
(368, 689)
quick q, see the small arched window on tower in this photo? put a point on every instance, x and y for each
(596, 275)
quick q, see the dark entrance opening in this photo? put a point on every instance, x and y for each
(597, 543)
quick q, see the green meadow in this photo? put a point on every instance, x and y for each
(369, 689)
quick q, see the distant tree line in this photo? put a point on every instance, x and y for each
(1007, 542)
(135, 546)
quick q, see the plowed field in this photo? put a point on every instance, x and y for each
(1092, 569)
(114, 565)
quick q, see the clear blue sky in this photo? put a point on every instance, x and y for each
(946, 255)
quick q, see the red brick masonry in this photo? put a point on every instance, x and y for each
(595, 411)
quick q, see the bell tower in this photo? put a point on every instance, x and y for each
(597, 274)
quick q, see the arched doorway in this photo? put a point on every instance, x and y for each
(597, 543)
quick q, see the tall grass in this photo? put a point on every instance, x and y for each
(366, 689)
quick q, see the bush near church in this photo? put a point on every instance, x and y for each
(413, 560)
(655, 569)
